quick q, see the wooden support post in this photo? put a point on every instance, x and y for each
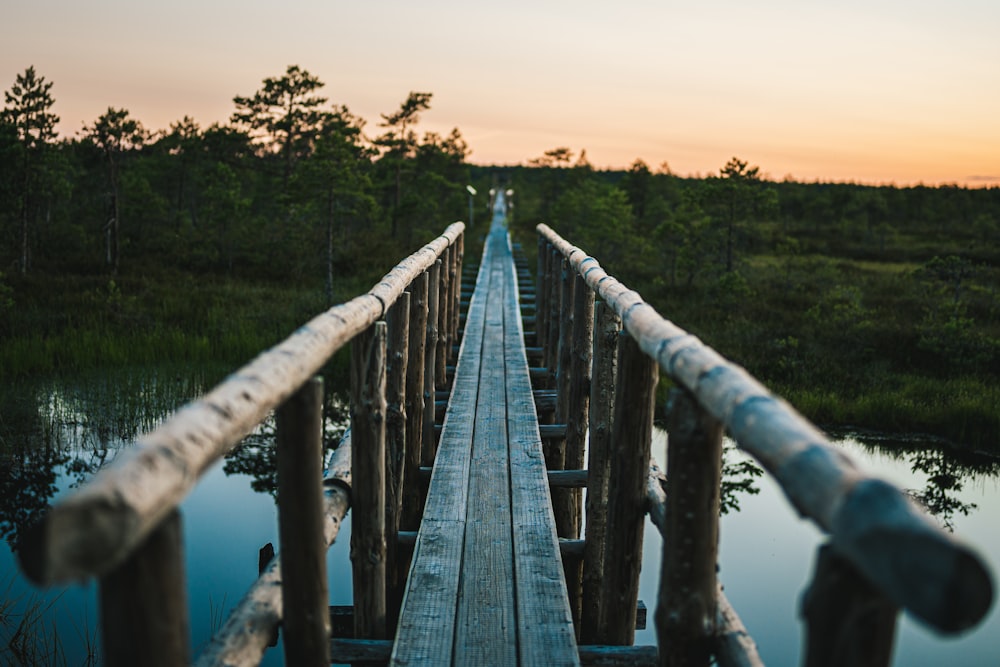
(304, 592)
(541, 293)
(632, 431)
(555, 448)
(144, 603)
(368, 408)
(398, 332)
(457, 256)
(428, 445)
(848, 622)
(687, 607)
(578, 407)
(602, 400)
(413, 491)
(554, 306)
(444, 315)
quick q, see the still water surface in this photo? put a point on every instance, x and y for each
(53, 434)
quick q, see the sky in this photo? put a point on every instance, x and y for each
(867, 91)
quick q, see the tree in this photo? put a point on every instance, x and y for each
(284, 116)
(742, 199)
(115, 134)
(400, 143)
(27, 109)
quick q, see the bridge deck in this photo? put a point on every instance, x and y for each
(486, 586)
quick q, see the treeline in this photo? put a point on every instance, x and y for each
(292, 186)
(876, 307)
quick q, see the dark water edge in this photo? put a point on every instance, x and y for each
(55, 432)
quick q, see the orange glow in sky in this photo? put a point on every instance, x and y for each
(873, 91)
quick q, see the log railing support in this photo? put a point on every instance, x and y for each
(398, 331)
(413, 490)
(429, 440)
(604, 371)
(555, 448)
(542, 293)
(848, 622)
(304, 591)
(632, 435)
(443, 322)
(368, 414)
(687, 609)
(144, 616)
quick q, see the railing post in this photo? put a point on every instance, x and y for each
(457, 256)
(368, 413)
(848, 622)
(398, 331)
(554, 305)
(542, 292)
(602, 401)
(412, 489)
(304, 592)
(632, 435)
(555, 449)
(444, 321)
(143, 602)
(429, 441)
(686, 609)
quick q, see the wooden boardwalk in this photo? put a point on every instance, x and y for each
(486, 585)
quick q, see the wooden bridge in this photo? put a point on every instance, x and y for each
(485, 564)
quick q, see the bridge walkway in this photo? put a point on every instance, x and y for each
(486, 585)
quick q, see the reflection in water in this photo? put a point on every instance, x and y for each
(738, 476)
(944, 482)
(27, 483)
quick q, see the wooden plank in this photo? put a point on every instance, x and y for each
(545, 624)
(485, 632)
(426, 629)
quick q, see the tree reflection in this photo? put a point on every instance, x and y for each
(27, 483)
(737, 477)
(944, 482)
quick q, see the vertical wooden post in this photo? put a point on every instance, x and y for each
(398, 332)
(632, 435)
(457, 256)
(412, 489)
(368, 351)
(444, 317)
(848, 622)
(554, 306)
(578, 405)
(687, 604)
(541, 291)
(144, 603)
(602, 400)
(555, 449)
(304, 592)
(428, 443)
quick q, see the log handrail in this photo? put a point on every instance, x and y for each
(871, 523)
(97, 526)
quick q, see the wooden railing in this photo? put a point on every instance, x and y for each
(883, 552)
(124, 528)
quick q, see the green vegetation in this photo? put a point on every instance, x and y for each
(870, 306)
(875, 307)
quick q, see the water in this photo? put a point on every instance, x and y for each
(53, 434)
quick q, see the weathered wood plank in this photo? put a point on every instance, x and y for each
(485, 632)
(544, 620)
(426, 630)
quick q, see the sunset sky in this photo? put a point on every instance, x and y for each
(873, 91)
